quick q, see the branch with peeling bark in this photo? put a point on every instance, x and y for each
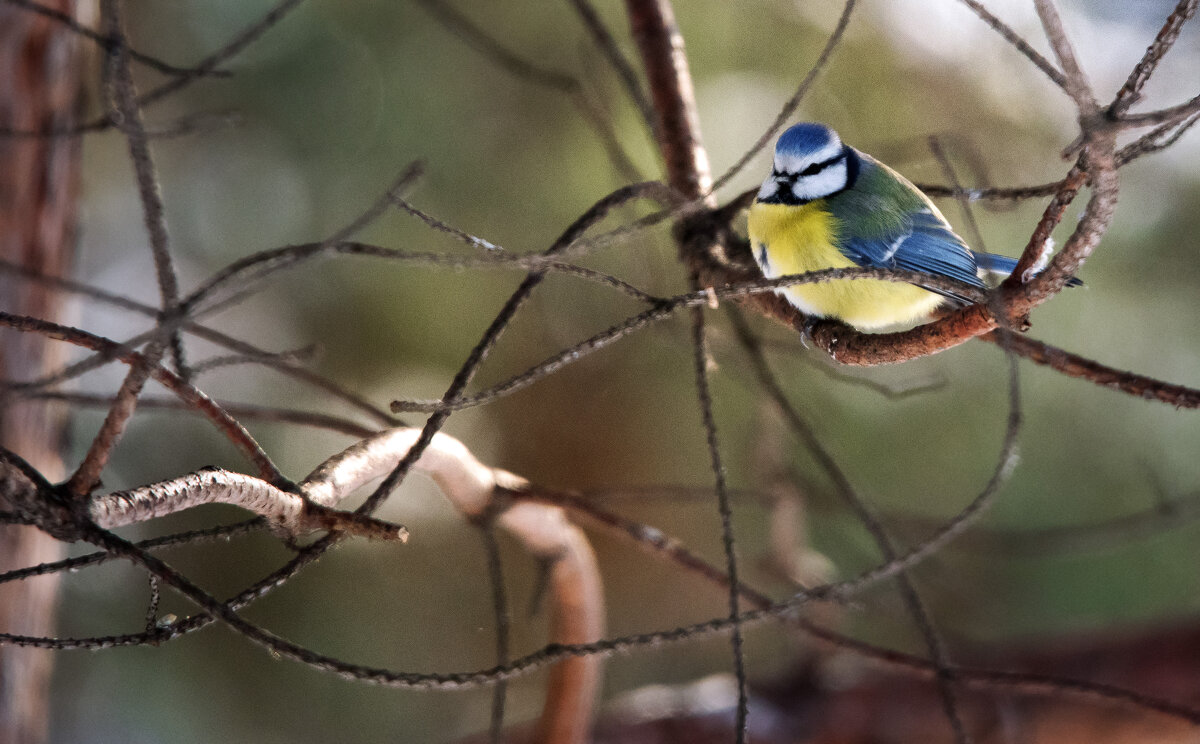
(289, 513)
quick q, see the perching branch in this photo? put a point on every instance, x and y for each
(702, 235)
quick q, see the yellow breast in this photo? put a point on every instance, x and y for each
(800, 239)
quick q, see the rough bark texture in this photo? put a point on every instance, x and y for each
(40, 76)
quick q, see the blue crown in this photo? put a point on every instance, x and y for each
(802, 139)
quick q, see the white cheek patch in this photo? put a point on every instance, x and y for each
(769, 188)
(819, 185)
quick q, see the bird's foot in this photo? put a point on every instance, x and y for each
(806, 332)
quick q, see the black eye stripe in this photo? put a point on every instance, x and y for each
(783, 185)
(813, 169)
(816, 168)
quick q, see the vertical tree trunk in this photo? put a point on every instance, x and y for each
(40, 81)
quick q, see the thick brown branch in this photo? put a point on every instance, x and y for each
(658, 39)
(1074, 365)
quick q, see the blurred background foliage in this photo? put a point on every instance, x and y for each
(334, 101)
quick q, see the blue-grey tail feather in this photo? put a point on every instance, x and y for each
(995, 264)
(1004, 265)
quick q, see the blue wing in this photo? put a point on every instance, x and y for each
(922, 242)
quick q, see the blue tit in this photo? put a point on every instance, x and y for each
(826, 205)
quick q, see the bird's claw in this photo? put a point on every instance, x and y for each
(806, 332)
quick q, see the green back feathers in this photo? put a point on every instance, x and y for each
(879, 204)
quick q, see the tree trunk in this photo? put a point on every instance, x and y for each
(41, 72)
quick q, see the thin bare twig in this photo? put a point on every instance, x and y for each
(515, 65)
(466, 372)
(503, 620)
(242, 411)
(789, 108)
(1131, 91)
(436, 224)
(208, 64)
(1170, 115)
(1075, 82)
(87, 474)
(108, 42)
(253, 267)
(624, 69)
(259, 265)
(261, 357)
(224, 532)
(991, 193)
(939, 656)
(193, 397)
(1012, 37)
(700, 362)
(126, 111)
(1159, 138)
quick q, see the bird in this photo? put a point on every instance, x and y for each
(827, 205)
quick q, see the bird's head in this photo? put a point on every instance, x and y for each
(810, 163)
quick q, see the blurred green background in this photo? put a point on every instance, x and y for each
(333, 103)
